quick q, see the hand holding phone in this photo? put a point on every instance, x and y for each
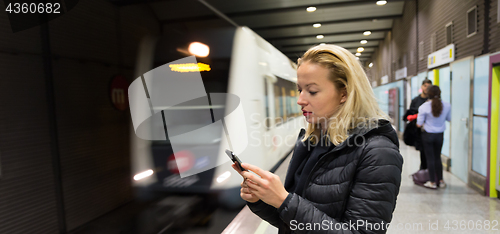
(235, 159)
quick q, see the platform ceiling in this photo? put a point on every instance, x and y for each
(286, 23)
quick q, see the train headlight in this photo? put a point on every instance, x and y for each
(223, 177)
(143, 175)
(199, 49)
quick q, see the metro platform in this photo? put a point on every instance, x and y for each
(454, 209)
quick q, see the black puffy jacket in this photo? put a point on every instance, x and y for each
(351, 189)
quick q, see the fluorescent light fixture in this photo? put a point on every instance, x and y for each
(381, 3)
(370, 65)
(360, 49)
(143, 175)
(317, 25)
(223, 177)
(322, 44)
(199, 49)
(320, 36)
(363, 41)
(366, 33)
(311, 9)
(358, 54)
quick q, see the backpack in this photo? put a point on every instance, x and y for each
(410, 133)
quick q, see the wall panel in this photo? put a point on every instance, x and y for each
(433, 15)
(27, 192)
(494, 32)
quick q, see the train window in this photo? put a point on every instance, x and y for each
(292, 100)
(278, 103)
(284, 103)
(471, 21)
(266, 105)
(286, 97)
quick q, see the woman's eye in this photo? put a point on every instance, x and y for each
(312, 93)
(300, 90)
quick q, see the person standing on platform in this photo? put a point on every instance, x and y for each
(432, 116)
(411, 115)
(346, 166)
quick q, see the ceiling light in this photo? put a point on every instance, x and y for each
(366, 33)
(358, 54)
(381, 3)
(317, 25)
(322, 44)
(199, 49)
(320, 36)
(357, 58)
(311, 9)
(370, 65)
(363, 41)
(360, 49)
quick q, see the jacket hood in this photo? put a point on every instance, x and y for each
(383, 127)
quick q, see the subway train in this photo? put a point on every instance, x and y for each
(239, 65)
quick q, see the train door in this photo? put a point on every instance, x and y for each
(433, 76)
(415, 86)
(460, 110)
(445, 86)
(421, 77)
(478, 172)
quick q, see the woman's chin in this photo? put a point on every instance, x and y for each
(310, 120)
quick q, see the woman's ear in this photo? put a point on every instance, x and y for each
(343, 96)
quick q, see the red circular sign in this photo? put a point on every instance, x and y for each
(180, 162)
(118, 92)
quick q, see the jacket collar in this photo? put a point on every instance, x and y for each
(301, 150)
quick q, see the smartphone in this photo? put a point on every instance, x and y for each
(235, 159)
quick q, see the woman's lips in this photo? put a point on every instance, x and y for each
(305, 113)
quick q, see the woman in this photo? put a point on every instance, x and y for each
(433, 115)
(345, 171)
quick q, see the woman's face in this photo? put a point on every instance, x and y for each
(318, 97)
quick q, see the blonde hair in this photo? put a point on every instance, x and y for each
(346, 74)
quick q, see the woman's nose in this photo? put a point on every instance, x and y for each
(301, 101)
